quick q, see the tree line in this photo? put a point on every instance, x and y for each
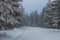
(12, 15)
(32, 19)
(48, 18)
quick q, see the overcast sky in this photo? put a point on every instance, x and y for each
(31, 5)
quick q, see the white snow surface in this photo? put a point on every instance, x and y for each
(31, 33)
(10, 34)
(36, 33)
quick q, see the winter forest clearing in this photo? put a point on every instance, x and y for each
(30, 20)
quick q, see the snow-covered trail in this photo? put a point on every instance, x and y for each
(35, 33)
(11, 34)
(31, 33)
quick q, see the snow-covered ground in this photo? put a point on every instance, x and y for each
(11, 34)
(31, 33)
(35, 33)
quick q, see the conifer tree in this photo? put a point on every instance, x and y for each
(52, 14)
(10, 14)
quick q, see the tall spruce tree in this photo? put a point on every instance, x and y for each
(10, 14)
(52, 14)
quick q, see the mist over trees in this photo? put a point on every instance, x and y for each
(48, 18)
(32, 19)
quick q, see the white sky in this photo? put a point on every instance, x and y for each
(31, 5)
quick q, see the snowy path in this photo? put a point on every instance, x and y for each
(34, 33)
(11, 34)
(31, 33)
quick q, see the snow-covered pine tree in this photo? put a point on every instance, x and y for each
(10, 14)
(52, 14)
